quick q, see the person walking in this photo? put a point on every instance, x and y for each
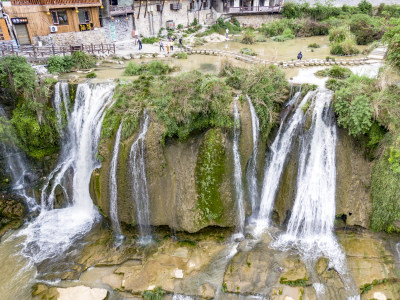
(300, 56)
(172, 43)
(168, 44)
(180, 43)
(227, 33)
(140, 43)
(161, 45)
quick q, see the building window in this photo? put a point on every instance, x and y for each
(84, 16)
(59, 17)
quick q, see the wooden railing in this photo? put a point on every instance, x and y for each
(253, 9)
(46, 51)
(53, 2)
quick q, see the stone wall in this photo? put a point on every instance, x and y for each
(256, 20)
(118, 29)
(95, 36)
(151, 24)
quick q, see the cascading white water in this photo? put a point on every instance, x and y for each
(251, 169)
(19, 169)
(139, 181)
(54, 230)
(238, 169)
(114, 186)
(280, 149)
(310, 228)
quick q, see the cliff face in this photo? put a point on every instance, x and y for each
(190, 184)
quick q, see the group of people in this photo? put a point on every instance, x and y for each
(169, 44)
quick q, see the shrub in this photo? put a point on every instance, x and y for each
(191, 102)
(335, 84)
(366, 29)
(338, 34)
(365, 7)
(291, 10)
(344, 48)
(180, 26)
(150, 40)
(286, 35)
(17, 75)
(335, 71)
(314, 45)
(248, 51)
(392, 38)
(156, 294)
(60, 64)
(220, 26)
(248, 37)
(180, 55)
(153, 68)
(353, 105)
(83, 60)
(91, 75)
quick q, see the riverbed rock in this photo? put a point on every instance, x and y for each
(13, 210)
(81, 293)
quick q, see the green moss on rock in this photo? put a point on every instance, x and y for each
(209, 174)
(385, 187)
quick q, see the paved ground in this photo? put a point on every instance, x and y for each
(127, 48)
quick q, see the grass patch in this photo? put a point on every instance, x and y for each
(248, 51)
(180, 55)
(314, 45)
(150, 40)
(336, 72)
(91, 75)
(299, 282)
(153, 68)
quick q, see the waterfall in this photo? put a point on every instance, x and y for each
(251, 174)
(311, 224)
(238, 168)
(139, 181)
(60, 104)
(19, 168)
(280, 149)
(55, 230)
(114, 187)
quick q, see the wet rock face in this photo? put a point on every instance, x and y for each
(178, 176)
(12, 212)
(353, 180)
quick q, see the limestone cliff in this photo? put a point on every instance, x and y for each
(174, 174)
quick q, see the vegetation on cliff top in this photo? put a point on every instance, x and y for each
(32, 124)
(186, 103)
(265, 85)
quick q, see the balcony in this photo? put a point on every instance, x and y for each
(116, 10)
(253, 9)
(55, 2)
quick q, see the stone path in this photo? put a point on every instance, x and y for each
(378, 53)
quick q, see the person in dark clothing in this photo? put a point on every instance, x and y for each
(172, 44)
(140, 43)
(161, 45)
(300, 56)
(180, 43)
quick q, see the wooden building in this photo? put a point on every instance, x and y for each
(33, 18)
